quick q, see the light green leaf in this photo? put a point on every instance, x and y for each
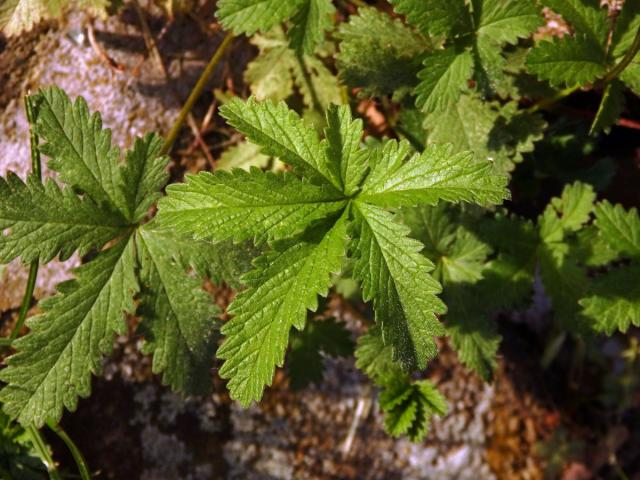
(245, 205)
(44, 221)
(244, 155)
(249, 16)
(396, 276)
(615, 301)
(378, 53)
(506, 22)
(620, 228)
(611, 106)
(269, 74)
(434, 175)
(445, 75)
(284, 285)
(567, 213)
(436, 17)
(54, 362)
(281, 133)
(178, 316)
(309, 24)
(79, 149)
(567, 61)
(144, 174)
(343, 136)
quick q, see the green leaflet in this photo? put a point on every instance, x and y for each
(281, 133)
(309, 25)
(249, 16)
(567, 61)
(505, 22)
(245, 205)
(445, 75)
(54, 362)
(375, 358)
(610, 109)
(145, 173)
(619, 228)
(627, 25)
(80, 150)
(304, 361)
(179, 317)
(436, 17)
(409, 406)
(585, 16)
(434, 175)
(342, 147)
(244, 155)
(615, 300)
(567, 213)
(284, 285)
(396, 277)
(378, 53)
(45, 220)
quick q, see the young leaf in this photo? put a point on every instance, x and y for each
(80, 150)
(55, 360)
(396, 277)
(409, 406)
(436, 17)
(178, 317)
(305, 358)
(249, 16)
(342, 147)
(567, 61)
(45, 221)
(434, 175)
(620, 228)
(309, 24)
(284, 285)
(375, 358)
(245, 205)
(445, 75)
(567, 213)
(281, 133)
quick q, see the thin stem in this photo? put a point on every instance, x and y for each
(624, 63)
(195, 93)
(33, 270)
(81, 463)
(547, 102)
(43, 452)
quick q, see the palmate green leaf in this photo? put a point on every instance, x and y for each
(620, 228)
(505, 22)
(79, 149)
(304, 361)
(585, 17)
(398, 179)
(567, 61)
(343, 136)
(445, 75)
(379, 54)
(397, 278)
(567, 213)
(309, 24)
(55, 360)
(245, 205)
(178, 316)
(284, 285)
(408, 407)
(45, 221)
(436, 17)
(249, 16)
(281, 133)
